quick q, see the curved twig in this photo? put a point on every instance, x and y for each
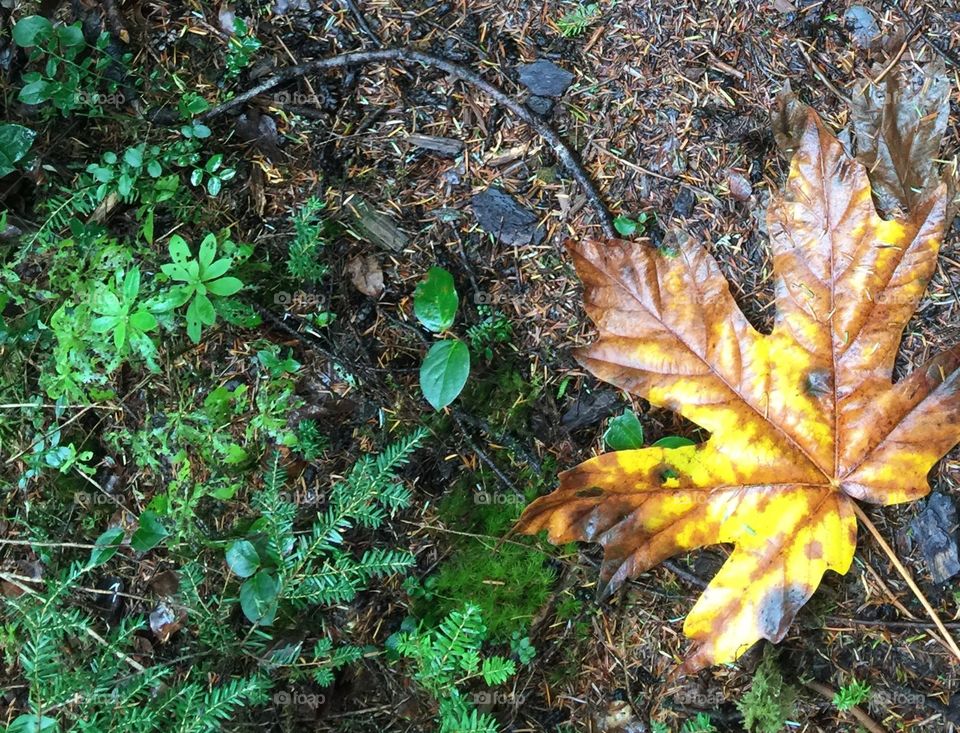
(404, 55)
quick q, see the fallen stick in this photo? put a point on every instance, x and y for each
(403, 55)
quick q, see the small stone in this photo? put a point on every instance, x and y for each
(861, 26)
(589, 409)
(935, 529)
(739, 186)
(540, 105)
(499, 214)
(685, 202)
(545, 79)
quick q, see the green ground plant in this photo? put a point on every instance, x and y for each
(770, 702)
(447, 658)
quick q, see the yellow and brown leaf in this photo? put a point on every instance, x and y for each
(803, 420)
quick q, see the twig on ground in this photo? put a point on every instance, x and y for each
(689, 577)
(404, 55)
(820, 75)
(361, 22)
(90, 632)
(947, 638)
(899, 54)
(484, 458)
(865, 720)
(944, 52)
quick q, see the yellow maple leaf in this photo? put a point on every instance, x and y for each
(803, 420)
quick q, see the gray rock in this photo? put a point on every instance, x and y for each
(499, 214)
(589, 409)
(861, 26)
(935, 530)
(545, 79)
(683, 206)
(540, 105)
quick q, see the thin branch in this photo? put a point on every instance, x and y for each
(865, 520)
(865, 720)
(404, 55)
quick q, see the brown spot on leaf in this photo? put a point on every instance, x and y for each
(590, 493)
(814, 550)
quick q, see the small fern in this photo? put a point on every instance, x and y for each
(310, 237)
(78, 680)
(449, 656)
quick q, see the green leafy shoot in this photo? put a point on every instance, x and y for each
(444, 372)
(202, 277)
(624, 432)
(627, 227)
(770, 702)
(435, 300)
(311, 232)
(850, 695)
(578, 20)
(119, 313)
(448, 656)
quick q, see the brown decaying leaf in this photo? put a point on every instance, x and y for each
(898, 125)
(803, 420)
(366, 275)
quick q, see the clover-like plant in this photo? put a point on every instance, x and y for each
(202, 277)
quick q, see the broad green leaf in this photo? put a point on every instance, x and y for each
(224, 286)
(70, 35)
(133, 157)
(15, 142)
(120, 333)
(33, 723)
(106, 546)
(444, 372)
(36, 92)
(204, 310)
(217, 268)
(258, 598)
(672, 441)
(624, 432)
(149, 534)
(194, 327)
(208, 250)
(107, 303)
(30, 30)
(143, 321)
(131, 285)
(175, 271)
(103, 324)
(242, 558)
(179, 250)
(435, 300)
(625, 226)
